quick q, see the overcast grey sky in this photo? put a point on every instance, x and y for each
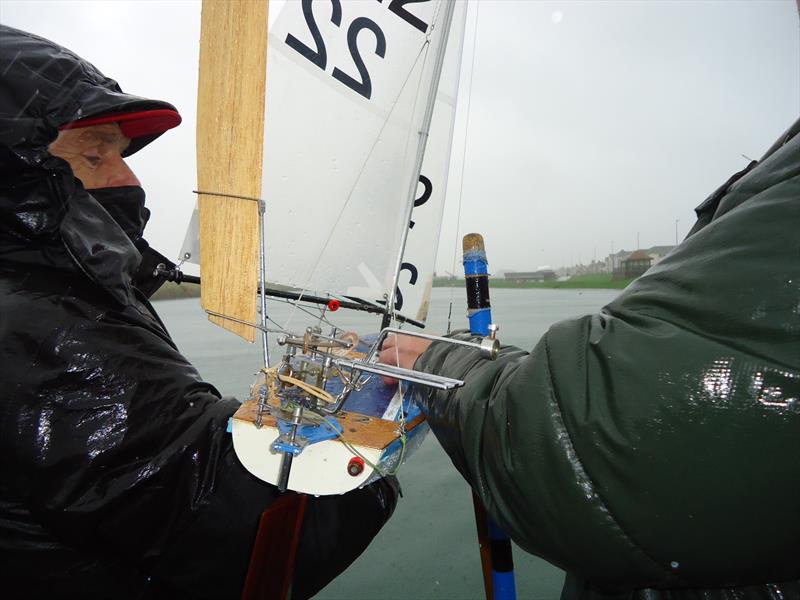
(591, 123)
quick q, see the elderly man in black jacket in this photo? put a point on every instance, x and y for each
(119, 479)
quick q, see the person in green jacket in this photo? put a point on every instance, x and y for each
(652, 450)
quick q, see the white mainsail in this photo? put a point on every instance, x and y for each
(336, 186)
(347, 84)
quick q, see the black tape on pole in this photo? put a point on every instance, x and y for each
(477, 292)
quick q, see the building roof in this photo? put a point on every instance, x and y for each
(660, 250)
(639, 255)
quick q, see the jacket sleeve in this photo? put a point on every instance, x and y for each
(654, 443)
(117, 448)
(111, 436)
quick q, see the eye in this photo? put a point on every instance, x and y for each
(92, 159)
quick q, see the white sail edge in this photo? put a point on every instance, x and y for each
(426, 218)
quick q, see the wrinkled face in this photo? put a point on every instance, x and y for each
(95, 155)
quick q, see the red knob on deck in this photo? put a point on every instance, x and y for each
(356, 466)
(333, 305)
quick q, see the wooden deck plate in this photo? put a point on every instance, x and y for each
(359, 430)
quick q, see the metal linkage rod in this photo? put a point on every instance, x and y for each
(488, 346)
(434, 381)
(262, 270)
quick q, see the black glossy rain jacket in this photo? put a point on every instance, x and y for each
(653, 449)
(117, 476)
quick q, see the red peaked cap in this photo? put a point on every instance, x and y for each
(134, 124)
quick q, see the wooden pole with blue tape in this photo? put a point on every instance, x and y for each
(495, 546)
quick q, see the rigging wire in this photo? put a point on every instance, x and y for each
(402, 419)
(309, 311)
(463, 158)
(390, 310)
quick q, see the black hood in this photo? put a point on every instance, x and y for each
(44, 86)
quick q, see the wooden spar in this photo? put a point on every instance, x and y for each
(230, 126)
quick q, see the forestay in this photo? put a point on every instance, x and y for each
(347, 84)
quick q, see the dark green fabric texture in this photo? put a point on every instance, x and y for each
(655, 444)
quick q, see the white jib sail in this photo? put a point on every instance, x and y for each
(346, 88)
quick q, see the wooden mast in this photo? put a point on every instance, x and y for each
(230, 131)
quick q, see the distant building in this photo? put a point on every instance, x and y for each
(619, 264)
(528, 276)
(658, 252)
(614, 262)
(636, 264)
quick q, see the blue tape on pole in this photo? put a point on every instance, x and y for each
(479, 321)
(476, 267)
(477, 261)
(504, 586)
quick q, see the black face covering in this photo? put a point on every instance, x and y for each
(126, 206)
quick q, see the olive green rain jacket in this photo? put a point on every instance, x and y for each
(652, 450)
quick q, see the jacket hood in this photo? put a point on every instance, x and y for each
(48, 86)
(42, 204)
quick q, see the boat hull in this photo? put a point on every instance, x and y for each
(327, 467)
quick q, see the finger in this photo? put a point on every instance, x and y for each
(388, 356)
(389, 342)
